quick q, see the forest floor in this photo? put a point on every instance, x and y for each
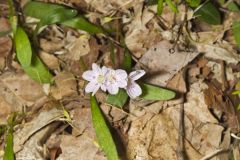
(195, 58)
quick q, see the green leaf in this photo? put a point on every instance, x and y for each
(232, 6)
(172, 6)
(119, 99)
(236, 32)
(152, 2)
(48, 13)
(23, 47)
(112, 53)
(151, 92)
(9, 153)
(208, 13)
(127, 60)
(238, 107)
(160, 7)
(12, 16)
(82, 24)
(193, 3)
(38, 71)
(236, 92)
(103, 134)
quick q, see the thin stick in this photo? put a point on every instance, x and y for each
(213, 154)
(180, 148)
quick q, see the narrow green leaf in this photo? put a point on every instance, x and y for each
(38, 71)
(48, 13)
(82, 24)
(236, 32)
(172, 6)
(232, 6)
(193, 3)
(58, 16)
(112, 53)
(23, 47)
(151, 92)
(127, 60)
(9, 153)
(41, 10)
(160, 7)
(119, 99)
(236, 92)
(152, 2)
(103, 134)
(208, 13)
(12, 16)
(238, 107)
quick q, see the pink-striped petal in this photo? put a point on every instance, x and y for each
(121, 74)
(135, 75)
(122, 83)
(134, 90)
(112, 89)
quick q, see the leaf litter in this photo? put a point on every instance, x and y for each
(56, 118)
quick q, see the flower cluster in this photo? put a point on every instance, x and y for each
(111, 80)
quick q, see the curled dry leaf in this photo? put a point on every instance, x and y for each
(45, 118)
(34, 147)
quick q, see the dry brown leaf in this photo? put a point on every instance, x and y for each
(221, 51)
(139, 37)
(9, 99)
(78, 47)
(162, 65)
(178, 83)
(50, 60)
(34, 147)
(6, 109)
(155, 137)
(66, 85)
(39, 123)
(221, 105)
(23, 87)
(82, 121)
(5, 42)
(82, 147)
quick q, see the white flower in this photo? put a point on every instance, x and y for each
(133, 89)
(116, 79)
(97, 78)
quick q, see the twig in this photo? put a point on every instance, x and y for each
(180, 148)
(223, 75)
(172, 50)
(213, 154)
(235, 136)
